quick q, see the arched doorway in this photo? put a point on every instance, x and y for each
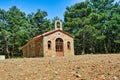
(59, 47)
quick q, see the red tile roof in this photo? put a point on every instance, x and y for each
(47, 33)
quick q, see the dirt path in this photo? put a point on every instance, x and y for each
(83, 67)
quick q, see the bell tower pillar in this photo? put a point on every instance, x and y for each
(58, 25)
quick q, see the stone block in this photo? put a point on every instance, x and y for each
(2, 57)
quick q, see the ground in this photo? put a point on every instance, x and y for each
(82, 67)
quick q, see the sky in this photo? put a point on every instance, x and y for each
(52, 7)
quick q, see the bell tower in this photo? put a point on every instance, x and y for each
(58, 25)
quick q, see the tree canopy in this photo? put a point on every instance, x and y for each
(96, 26)
(16, 28)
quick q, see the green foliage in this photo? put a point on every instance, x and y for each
(95, 24)
(117, 41)
(16, 28)
(101, 37)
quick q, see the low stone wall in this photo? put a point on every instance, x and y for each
(2, 57)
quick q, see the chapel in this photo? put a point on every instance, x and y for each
(50, 44)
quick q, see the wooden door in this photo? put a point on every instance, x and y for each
(59, 47)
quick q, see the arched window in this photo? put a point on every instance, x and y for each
(68, 45)
(49, 44)
(58, 24)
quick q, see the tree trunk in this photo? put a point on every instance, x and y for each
(92, 49)
(83, 50)
(105, 47)
(109, 46)
(92, 46)
(6, 50)
(13, 47)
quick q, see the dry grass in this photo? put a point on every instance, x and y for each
(83, 67)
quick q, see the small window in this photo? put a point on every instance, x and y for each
(68, 45)
(49, 44)
(58, 24)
